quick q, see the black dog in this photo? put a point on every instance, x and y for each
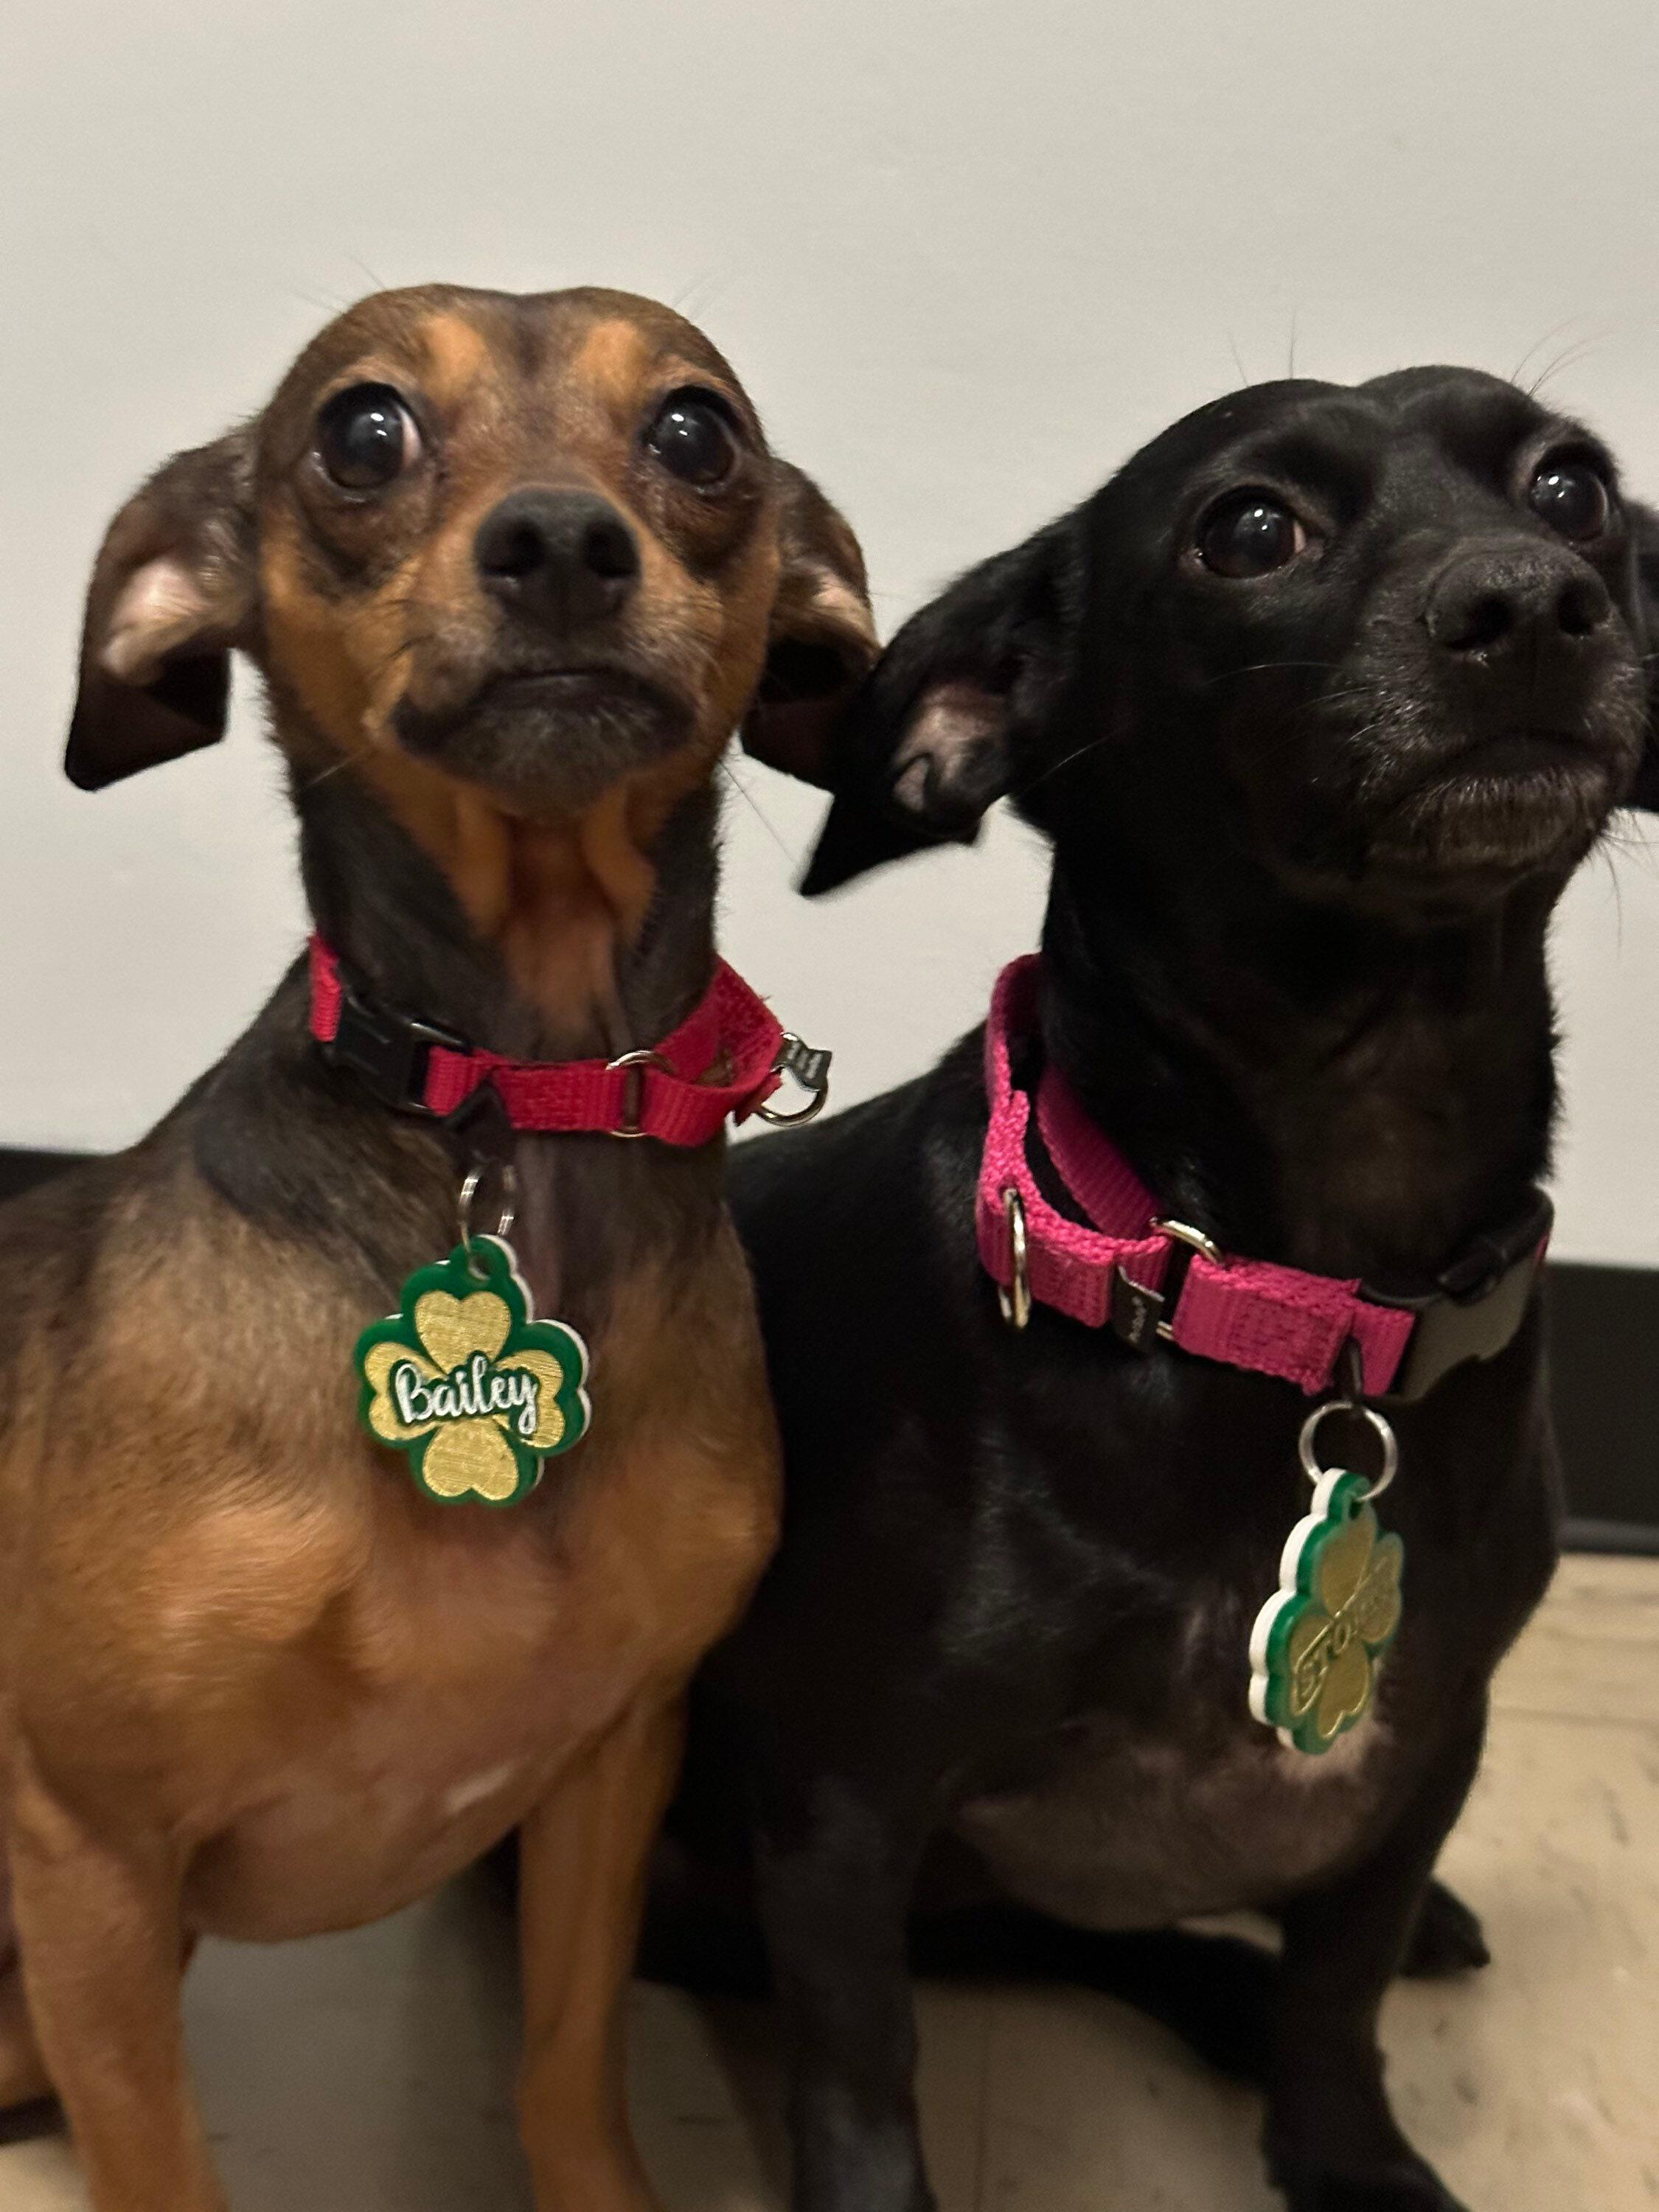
(1320, 700)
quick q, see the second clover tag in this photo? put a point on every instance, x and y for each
(1319, 1639)
(468, 1384)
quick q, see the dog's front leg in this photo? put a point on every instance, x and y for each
(23, 2075)
(583, 1857)
(836, 1874)
(103, 1953)
(1333, 2143)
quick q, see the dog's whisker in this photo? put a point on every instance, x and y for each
(1055, 766)
(357, 262)
(1264, 667)
(1538, 344)
(335, 768)
(694, 298)
(756, 808)
(1569, 357)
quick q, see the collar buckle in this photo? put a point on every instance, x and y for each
(387, 1051)
(1476, 1307)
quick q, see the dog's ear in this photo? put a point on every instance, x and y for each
(1645, 790)
(928, 744)
(822, 637)
(172, 591)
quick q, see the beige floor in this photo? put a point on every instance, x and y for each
(368, 2072)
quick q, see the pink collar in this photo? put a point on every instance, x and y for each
(416, 1068)
(1155, 1280)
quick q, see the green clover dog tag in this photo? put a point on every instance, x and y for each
(1318, 1641)
(468, 1383)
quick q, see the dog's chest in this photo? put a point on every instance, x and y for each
(446, 1688)
(422, 1716)
(1133, 1825)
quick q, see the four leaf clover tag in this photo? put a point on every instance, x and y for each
(465, 1382)
(1319, 1639)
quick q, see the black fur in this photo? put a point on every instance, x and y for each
(1308, 828)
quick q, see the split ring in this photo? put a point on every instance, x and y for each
(1379, 1427)
(470, 1187)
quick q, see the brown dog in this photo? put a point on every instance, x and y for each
(512, 569)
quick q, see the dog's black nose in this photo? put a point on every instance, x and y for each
(1493, 603)
(561, 557)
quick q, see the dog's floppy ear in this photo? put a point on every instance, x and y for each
(822, 637)
(1645, 790)
(172, 591)
(928, 744)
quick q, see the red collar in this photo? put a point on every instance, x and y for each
(661, 1092)
(1156, 1280)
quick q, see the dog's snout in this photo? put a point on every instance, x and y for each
(561, 557)
(1490, 604)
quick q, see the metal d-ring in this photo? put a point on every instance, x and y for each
(1379, 1427)
(1181, 1232)
(1184, 1233)
(634, 1089)
(1016, 1300)
(470, 1184)
(794, 1055)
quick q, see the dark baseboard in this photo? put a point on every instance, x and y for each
(1580, 1535)
(18, 1169)
(1604, 1359)
(1605, 1336)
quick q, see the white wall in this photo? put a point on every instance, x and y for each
(966, 258)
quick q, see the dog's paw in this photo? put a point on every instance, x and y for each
(1404, 2185)
(1447, 1939)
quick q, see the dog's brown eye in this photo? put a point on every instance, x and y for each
(1249, 535)
(1572, 497)
(366, 437)
(693, 436)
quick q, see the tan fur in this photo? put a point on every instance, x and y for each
(252, 1683)
(340, 1640)
(559, 895)
(610, 362)
(458, 354)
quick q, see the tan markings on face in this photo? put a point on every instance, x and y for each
(343, 659)
(613, 363)
(560, 897)
(458, 357)
(738, 650)
(562, 892)
(351, 660)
